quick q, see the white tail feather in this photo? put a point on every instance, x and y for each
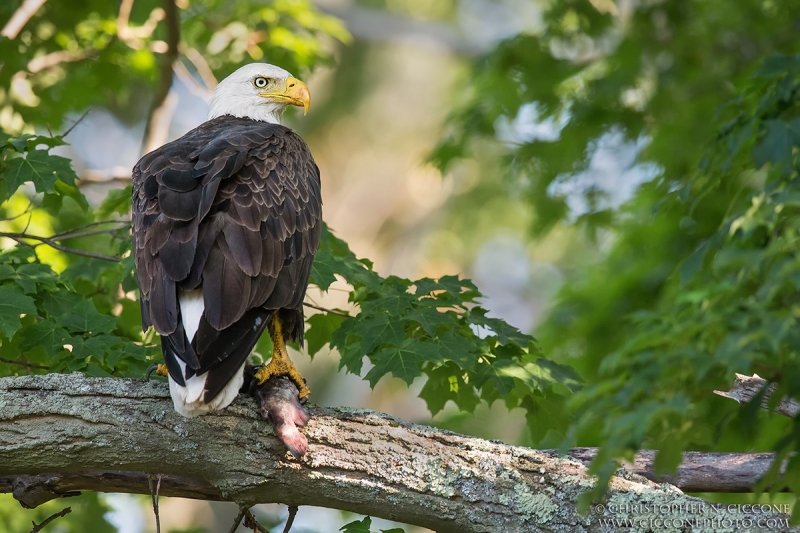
(192, 308)
(188, 400)
(197, 407)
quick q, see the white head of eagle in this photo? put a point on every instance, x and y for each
(258, 91)
(226, 222)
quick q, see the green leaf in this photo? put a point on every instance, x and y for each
(84, 318)
(62, 302)
(29, 143)
(693, 263)
(430, 319)
(117, 201)
(13, 303)
(506, 333)
(358, 526)
(456, 348)
(42, 169)
(29, 275)
(402, 361)
(70, 191)
(776, 144)
(50, 336)
(500, 373)
(7, 272)
(543, 373)
(349, 346)
(668, 458)
(323, 271)
(445, 383)
(97, 347)
(388, 301)
(321, 327)
(378, 330)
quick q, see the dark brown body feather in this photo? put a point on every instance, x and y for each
(233, 207)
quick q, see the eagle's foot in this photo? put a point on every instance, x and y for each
(160, 370)
(282, 366)
(279, 401)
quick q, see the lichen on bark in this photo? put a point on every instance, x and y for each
(85, 433)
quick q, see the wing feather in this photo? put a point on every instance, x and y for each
(233, 208)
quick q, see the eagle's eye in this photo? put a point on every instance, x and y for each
(260, 82)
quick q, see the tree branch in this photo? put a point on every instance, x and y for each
(71, 232)
(746, 388)
(251, 522)
(21, 17)
(23, 362)
(154, 497)
(133, 37)
(698, 471)
(62, 512)
(80, 119)
(325, 309)
(20, 238)
(203, 69)
(67, 432)
(163, 106)
(56, 58)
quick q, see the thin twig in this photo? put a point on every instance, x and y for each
(202, 67)
(91, 177)
(20, 238)
(27, 210)
(71, 236)
(22, 362)
(70, 231)
(251, 522)
(63, 512)
(331, 311)
(237, 520)
(134, 37)
(75, 123)
(123, 17)
(56, 58)
(290, 520)
(191, 83)
(28, 223)
(21, 17)
(154, 496)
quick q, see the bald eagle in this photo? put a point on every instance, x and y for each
(226, 222)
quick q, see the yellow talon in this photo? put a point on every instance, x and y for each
(161, 370)
(281, 365)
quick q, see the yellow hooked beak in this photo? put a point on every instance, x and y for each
(294, 92)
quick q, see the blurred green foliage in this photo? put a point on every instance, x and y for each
(68, 295)
(73, 55)
(700, 280)
(697, 278)
(86, 515)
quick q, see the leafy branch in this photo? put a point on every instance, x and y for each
(432, 327)
(22, 239)
(728, 308)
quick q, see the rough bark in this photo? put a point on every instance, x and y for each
(61, 425)
(746, 388)
(698, 471)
